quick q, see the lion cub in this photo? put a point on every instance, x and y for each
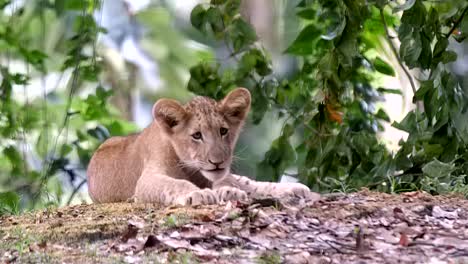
(183, 157)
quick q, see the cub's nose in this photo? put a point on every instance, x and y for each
(216, 162)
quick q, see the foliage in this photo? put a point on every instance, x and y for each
(329, 106)
(51, 132)
(9, 203)
(65, 127)
(435, 152)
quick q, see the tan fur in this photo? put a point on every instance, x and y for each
(166, 163)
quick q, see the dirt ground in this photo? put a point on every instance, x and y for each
(363, 227)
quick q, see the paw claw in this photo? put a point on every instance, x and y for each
(227, 193)
(199, 197)
(293, 189)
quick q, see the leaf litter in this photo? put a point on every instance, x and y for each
(362, 227)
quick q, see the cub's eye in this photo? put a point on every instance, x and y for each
(197, 135)
(223, 131)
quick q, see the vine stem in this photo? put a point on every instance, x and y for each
(395, 52)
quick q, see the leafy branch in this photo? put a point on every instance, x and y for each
(457, 23)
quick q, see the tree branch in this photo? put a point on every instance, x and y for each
(457, 23)
(395, 52)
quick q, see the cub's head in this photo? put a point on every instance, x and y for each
(204, 132)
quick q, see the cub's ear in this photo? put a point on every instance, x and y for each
(168, 113)
(236, 105)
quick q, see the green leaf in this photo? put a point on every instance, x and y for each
(440, 46)
(416, 15)
(442, 118)
(336, 31)
(76, 4)
(121, 128)
(65, 149)
(430, 103)
(288, 130)
(102, 94)
(410, 49)
(383, 67)
(232, 7)
(204, 80)
(407, 5)
(432, 150)
(438, 169)
(360, 144)
(307, 13)
(34, 57)
(218, 2)
(328, 64)
(4, 3)
(15, 158)
(254, 59)
(197, 16)
(449, 56)
(402, 162)
(382, 115)
(426, 52)
(215, 18)
(9, 203)
(349, 49)
(390, 91)
(303, 44)
(425, 87)
(241, 34)
(260, 105)
(265, 172)
(246, 65)
(280, 155)
(408, 123)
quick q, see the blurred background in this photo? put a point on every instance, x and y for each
(131, 53)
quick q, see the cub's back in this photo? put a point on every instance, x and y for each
(114, 170)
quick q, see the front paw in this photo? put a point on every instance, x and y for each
(293, 189)
(198, 197)
(227, 193)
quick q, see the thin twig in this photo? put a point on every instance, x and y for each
(65, 124)
(395, 52)
(75, 191)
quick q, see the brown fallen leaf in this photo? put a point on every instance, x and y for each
(399, 214)
(42, 244)
(208, 217)
(404, 240)
(131, 232)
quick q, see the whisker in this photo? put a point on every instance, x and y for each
(237, 158)
(241, 150)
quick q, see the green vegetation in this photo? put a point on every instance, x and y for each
(269, 258)
(328, 106)
(175, 220)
